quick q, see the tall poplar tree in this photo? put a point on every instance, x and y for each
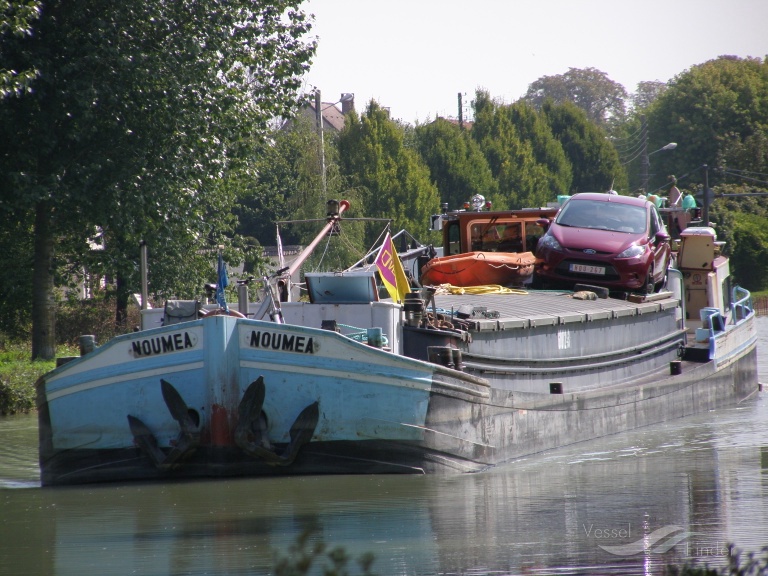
(594, 161)
(517, 159)
(391, 178)
(456, 163)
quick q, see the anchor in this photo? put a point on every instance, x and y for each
(250, 433)
(186, 442)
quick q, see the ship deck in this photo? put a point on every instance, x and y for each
(530, 308)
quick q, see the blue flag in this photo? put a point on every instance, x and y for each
(222, 283)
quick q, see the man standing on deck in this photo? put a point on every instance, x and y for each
(674, 196)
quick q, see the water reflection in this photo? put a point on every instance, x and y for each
(687, 487)
(18, 452)
(567, 510)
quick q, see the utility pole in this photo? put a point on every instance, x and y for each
(319, 117)
(461, 113)
(143, 269)
(645, 162)
(705, 197)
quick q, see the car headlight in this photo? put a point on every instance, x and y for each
(633, 251)
(549, 242)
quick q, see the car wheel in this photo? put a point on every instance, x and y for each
(661, 285)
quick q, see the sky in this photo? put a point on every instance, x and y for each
(415, 56)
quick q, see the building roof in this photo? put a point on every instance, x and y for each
(332, 116)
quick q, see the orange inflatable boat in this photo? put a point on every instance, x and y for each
(479, 269)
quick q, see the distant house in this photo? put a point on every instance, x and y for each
(333, 116)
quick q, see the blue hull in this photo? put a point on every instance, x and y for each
(363, 394)
(224, 396)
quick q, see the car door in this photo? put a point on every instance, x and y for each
(658, 238)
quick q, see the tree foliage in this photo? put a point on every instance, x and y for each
(456, 163)
(138, 119)
(526, 160)
(290, 185)
(647, 93)
(588, 88)
(392, 179)
(718, 114)
(16, 261)
(287, 175)
(594, 161)
(534, 130)
(740, 220)
(16, 20)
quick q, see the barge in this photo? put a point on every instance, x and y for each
(441, 380)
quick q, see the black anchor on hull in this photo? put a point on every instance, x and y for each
(186, 442)
(250, 433)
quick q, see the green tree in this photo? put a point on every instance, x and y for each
(750, 265)
(646, 94)
(748, 153)
(601, 98)
(741, 221)
(594, 161)
(16, 20)
(519, 165)
(289, 186)
(717, 112)
(139, 119)
(456, 163)
(16, 261)
(534, 129)
(288, 174)
(392, 179)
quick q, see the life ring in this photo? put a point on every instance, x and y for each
(222, 312)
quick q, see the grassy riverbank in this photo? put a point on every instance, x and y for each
(18, 375)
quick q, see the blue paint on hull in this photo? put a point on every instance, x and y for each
(378, 412)
(370, 395)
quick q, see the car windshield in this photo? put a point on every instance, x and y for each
(602, 215)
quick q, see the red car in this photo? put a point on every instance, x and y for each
(618, 242)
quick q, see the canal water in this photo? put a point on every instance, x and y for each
(627, 504)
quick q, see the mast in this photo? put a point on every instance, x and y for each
(335, 210)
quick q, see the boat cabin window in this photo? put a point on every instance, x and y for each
(497, 236)
(532, 234)
(452, 238)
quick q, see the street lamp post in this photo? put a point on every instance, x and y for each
(645, 155)
(647, 162)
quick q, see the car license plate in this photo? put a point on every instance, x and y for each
(584, 269)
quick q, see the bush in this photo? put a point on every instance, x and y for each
(96, 316)
(17, 378)
(74, 318)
